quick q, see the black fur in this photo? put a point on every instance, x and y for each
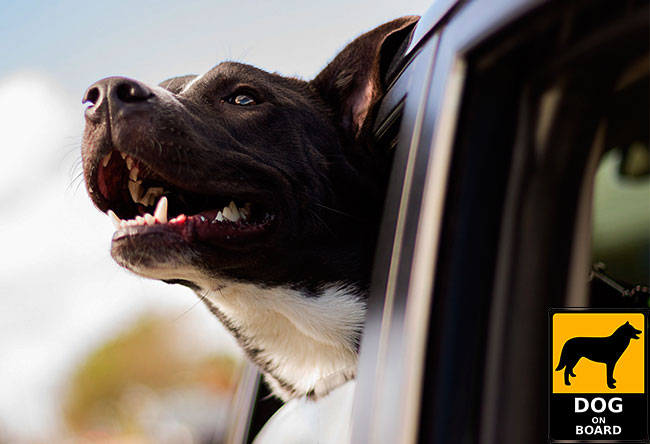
(302, 151)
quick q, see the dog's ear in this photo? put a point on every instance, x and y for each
(353, 83)
(176, 84)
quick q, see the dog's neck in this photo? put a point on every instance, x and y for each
(305, 344)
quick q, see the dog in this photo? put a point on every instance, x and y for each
(607, 350)
(261, 193)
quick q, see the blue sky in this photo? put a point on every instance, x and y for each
(61, 294)
(77, 42)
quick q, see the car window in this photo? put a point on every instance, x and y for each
(621, 215)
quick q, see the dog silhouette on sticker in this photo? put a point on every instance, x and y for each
(607, 350)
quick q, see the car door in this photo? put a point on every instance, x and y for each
(488, 220)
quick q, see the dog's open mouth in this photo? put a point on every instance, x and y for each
(139, 201)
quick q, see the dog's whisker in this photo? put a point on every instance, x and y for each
(181, 155)
(336, 211)
(201, 299)
(322, 222)
(76, 182)
(78, 178)
(75, 169)
(71, 150)
(187, 159)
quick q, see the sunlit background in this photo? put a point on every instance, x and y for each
(88, 352)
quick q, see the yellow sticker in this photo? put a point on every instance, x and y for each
(598, 353)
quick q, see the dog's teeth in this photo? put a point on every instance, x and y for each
(231, 215)
(219, 217)
(117, 222)
(133, 174)
(245, 212)
(149, 219)
(123, 155)
(129, 163)
(151, 195)
(140, 220)
(181, 218)
(106, 159)
(136, 191)
(160, 213)
(231, 212)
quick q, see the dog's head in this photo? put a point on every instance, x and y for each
(629, 331)
(240, 173)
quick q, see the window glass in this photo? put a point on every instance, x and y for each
(621, 216)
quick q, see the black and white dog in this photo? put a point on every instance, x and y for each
(262, 193)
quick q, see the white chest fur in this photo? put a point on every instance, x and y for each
(307, 344)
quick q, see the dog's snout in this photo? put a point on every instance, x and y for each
(119, 93)
(92, 95)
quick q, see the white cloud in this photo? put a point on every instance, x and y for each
(36, 120)
(60, 292)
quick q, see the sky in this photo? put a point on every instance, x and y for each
(60, 292)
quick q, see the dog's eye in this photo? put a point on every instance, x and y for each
(242, 99)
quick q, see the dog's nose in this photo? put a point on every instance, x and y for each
(118, 93)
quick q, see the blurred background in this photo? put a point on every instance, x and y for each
(89, 352)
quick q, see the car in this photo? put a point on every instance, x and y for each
(520, 182)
